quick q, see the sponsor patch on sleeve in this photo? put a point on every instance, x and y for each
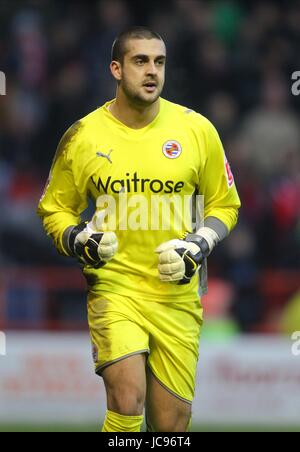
(229, 175)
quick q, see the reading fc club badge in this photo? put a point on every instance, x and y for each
(172, 149)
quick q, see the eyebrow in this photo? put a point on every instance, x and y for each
(146, 57)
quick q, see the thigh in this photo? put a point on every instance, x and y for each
(164, 411)
(125, 384)
(116, 330)
(174, 347)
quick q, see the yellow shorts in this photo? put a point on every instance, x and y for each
(168, 332)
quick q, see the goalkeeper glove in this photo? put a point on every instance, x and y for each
(179, 260)
(90, 244)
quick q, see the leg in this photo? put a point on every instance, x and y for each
(125, 384)
(164, 411)
(174, 345)
(119, 346)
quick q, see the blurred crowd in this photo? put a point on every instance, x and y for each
(229, 60)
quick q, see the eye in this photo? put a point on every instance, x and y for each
(139, 62)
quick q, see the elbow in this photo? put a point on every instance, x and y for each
(234, 217)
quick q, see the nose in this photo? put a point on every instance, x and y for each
(151, 68)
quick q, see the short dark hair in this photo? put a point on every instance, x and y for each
(119, 45)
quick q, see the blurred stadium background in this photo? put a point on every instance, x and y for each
(233, 62)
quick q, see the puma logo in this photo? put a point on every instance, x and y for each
(106, 156)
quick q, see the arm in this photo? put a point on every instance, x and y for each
(179, 260)
(216, 184)
(62, 204)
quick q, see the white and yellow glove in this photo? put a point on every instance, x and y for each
(179, 260)
(91, 243)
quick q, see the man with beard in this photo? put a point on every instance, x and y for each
(144, 310)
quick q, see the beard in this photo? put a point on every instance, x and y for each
(137, 97)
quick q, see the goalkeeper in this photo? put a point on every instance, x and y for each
(144, 309)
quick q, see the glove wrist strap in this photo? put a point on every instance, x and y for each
(72, 236)
(209, 235)
(200, 242)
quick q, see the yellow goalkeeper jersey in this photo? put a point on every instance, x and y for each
(144, 178)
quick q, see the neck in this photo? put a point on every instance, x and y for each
(133, 115)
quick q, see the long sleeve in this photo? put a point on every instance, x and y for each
(216, 182)
(62, 202)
